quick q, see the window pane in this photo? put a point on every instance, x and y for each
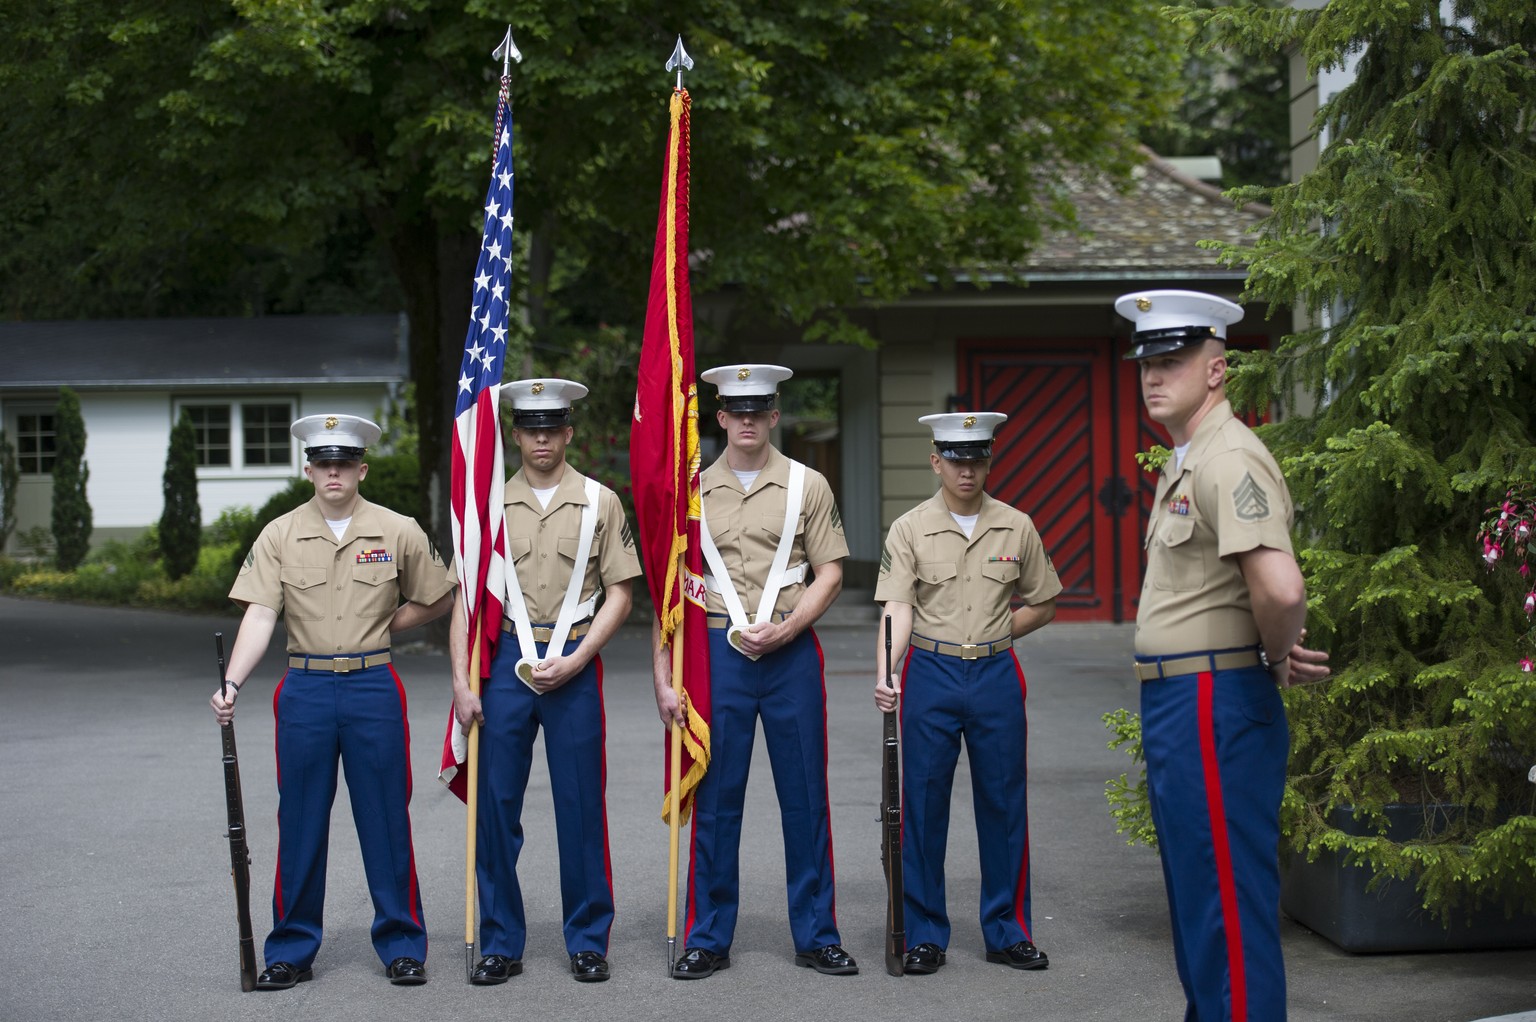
(265, 428)
(210, 423)
(35, 443)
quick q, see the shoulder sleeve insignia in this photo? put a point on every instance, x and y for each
(1249, 501)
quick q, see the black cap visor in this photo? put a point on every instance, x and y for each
(748, 402)
(1147, 343)
(963, 450)
(335, 453)
(541, 418)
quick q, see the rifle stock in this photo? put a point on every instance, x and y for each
(890, 834)
(239, 850)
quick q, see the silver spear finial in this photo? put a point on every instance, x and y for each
(508, 52)
(680, 60)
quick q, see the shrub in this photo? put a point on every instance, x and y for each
(71, 509)
(181, 523)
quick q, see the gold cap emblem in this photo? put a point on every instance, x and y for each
(330, 422)
(743, 373)
(1144, 305)
(537, 388)
(970, 420)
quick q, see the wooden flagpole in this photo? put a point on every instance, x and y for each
(675, 783)
(471, 802)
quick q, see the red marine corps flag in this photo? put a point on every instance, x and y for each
(664, 473)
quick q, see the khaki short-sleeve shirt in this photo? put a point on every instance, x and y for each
(542, 542)
(1228, 497)
(746, 528)
(338, 597)
(961, 589)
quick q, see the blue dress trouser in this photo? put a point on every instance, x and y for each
(943, 699)
(574, 726)
(359, 718)
(1216, 745)
(786, 688)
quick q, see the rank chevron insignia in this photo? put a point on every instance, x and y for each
(1249, 500)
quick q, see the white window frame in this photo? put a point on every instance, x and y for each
(236, 405)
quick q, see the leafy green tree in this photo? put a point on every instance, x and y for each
(1412, 246)
(226, 156)
(10, 478)
(181, 523)
(71, 509)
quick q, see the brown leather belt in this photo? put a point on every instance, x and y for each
(1152, 668)
(724, 620)
(338, 664)
(963, 650)
(543, 633)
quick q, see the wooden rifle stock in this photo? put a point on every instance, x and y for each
(890, 834)
(239, 851)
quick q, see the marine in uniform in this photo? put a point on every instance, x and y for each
(567, 542)
(773, 548)
(1221, 610)
(950, 571)
(337, 570)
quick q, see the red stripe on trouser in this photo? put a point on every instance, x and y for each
(602, 711)
(1021, 886)
(414, 903)
(277, 881)
(821, 663)
(1225, 880)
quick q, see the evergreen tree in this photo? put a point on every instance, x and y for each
(181, 525)
(1411, 247)
(10, 476)
(71, 510)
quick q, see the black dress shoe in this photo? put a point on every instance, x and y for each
(1022, 955)
(589, 967)
(406, 972)
(923, 960)
(831, 960)
(493, 969)
(282, 975)
(697, 963)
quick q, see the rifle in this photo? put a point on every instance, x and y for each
(890, 835)
(239, 852)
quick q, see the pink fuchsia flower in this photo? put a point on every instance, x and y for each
(1530, 603)
(1527, 664)
(1525, 571)
(1523, 530)
(1491, 553)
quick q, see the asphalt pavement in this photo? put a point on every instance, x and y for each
(116, 900)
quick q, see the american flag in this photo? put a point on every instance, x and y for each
(478, 471)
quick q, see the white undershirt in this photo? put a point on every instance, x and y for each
(967, 523)
(1178, 456)
(747, 478)
(339, 526)
(545, 494)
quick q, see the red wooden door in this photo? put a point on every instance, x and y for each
(1055, 455)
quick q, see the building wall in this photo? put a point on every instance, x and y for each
(128, 437)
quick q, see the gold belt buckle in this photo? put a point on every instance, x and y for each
(970, 651)
(341, 665)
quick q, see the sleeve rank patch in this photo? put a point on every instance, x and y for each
(837, 518)
(627, 536)
(885, 560)
(250, 559)
(1249, 500)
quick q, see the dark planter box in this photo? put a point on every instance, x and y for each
(1331, 899)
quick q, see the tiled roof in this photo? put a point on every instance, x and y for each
(1151, 227)
(264, 350)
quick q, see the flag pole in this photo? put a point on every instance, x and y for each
(507, 52)
(675, 784)
(471, 803)
(679, 61)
